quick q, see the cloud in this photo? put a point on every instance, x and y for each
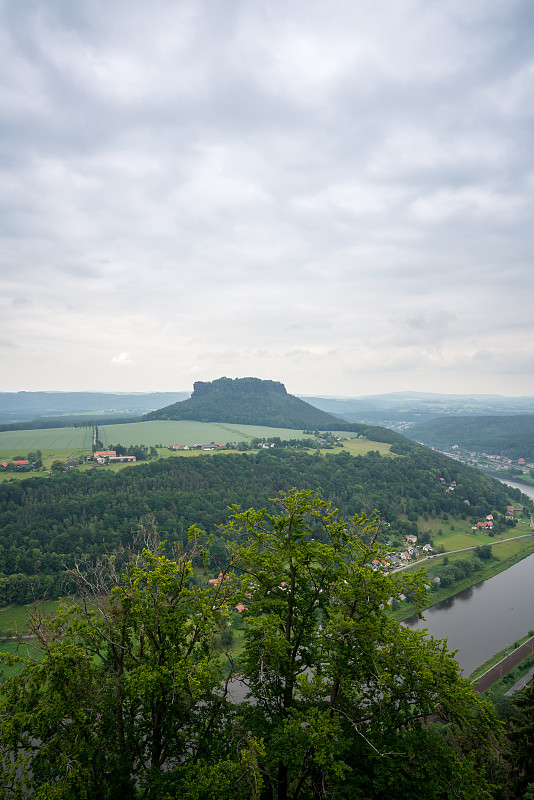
(292, 189)
(122, 360)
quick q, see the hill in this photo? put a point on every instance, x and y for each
(249, 401)
(508, 436)
(23, 406)
(48, 525)
(397, 408)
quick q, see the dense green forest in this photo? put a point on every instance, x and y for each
(249, 401)
(328, 697)
(48, 524)
(508, 436)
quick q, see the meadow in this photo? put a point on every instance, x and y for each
(169, 432)
(48, 440)
(64, 443)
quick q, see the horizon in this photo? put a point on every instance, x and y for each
(317, 394)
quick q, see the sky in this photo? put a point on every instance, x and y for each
(337, 195)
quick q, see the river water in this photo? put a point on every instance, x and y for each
(488, 617)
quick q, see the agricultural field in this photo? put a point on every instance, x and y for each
(48, 440)
(65, 443)
(359, 447)
(169, 432)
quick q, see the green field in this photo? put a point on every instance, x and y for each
(168, 432)
(48, 440)
(359, 447)
(14, 618)
(62, 443)
(458, 534)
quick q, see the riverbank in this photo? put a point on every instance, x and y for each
(489, 570)
(507, 670)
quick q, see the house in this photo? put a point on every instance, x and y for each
(216, 581)
(411, 539)
(104, 453)
(427, 548)
(122, 458)
(23, 463)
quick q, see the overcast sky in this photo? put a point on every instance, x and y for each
(337, 194)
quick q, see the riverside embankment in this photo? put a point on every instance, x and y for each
(487, 617)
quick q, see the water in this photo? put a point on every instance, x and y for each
(488, 617)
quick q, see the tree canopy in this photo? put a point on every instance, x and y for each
(130, 695)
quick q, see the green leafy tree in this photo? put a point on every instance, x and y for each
(341, 692)
(127, 698)
(484, 552)
(522, 745)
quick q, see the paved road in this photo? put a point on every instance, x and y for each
(462, 550)
(508, 663)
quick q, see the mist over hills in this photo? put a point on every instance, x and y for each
(23, 406)
(415, 407)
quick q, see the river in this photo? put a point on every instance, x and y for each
(488, 617)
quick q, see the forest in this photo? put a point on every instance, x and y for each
(511, 436)
(134, 696)
(47, 525)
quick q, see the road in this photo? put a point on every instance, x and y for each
(492, 543)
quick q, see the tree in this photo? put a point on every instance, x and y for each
(126, 697)
(521, 733)
(340, 691)
(129, 697)
(484, 551)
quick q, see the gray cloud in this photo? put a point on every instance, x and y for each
(332, 194)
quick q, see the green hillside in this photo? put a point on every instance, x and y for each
(249, 401)
(48, 525)
(509, 436)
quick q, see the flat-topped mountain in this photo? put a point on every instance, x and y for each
(248, 401)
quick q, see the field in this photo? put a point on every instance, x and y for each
(167, 432)
(48, 440)
(63, 443)
(54, 443)
(359, 447)
(13, 619)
